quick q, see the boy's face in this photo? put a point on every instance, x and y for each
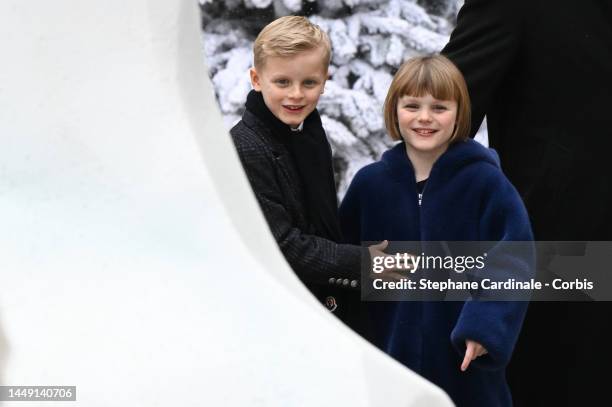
(291, 86)
(426, 124)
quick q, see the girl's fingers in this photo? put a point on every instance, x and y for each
(469, 356)
(472, 351)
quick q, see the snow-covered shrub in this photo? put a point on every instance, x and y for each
(370, 39)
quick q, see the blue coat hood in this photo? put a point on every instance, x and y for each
(460, 154)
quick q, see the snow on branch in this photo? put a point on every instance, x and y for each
(370, 39)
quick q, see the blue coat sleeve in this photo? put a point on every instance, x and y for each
(496, 324)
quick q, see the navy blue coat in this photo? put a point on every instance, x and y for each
(466, 198)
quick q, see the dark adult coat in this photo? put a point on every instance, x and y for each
(541, 72)
(466, 198)
(325, 266)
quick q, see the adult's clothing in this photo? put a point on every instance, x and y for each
(541, 72)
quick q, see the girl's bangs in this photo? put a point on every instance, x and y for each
(427, 80)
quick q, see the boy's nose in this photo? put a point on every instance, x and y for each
(296, 92)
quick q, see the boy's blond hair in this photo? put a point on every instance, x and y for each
(287, 36)
(433, 74)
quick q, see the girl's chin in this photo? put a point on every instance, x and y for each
(428, 148)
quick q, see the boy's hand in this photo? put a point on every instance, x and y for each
(472, 350)
(377, 250)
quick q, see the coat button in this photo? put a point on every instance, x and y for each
(354, 283)
(339, 281)
(332, 280)
(330, 303)
(345, 281)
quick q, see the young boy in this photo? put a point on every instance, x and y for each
(287, 159)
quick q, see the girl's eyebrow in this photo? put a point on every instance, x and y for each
(442, 100)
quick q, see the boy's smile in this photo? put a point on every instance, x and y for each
(291, 85)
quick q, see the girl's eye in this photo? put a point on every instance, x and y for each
(439, 108)
(411, 106)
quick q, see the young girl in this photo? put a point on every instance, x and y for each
(439, 185)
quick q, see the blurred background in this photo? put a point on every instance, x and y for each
(370, 40)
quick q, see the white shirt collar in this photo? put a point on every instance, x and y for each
(298, 128)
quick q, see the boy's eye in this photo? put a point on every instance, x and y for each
(310, 83)
(282, 82)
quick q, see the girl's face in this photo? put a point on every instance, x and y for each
(426, 124)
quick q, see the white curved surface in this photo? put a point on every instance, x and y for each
(122, 272)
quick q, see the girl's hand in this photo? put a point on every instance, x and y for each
(472, 350)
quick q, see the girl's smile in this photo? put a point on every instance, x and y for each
(426, 124)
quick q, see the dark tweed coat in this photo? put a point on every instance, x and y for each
(329, 269)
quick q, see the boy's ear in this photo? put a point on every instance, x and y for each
(327, 76)
(255, 79)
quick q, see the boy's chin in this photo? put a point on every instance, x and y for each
(292, 121)
(293, 124)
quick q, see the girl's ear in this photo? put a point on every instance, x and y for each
(255, 80)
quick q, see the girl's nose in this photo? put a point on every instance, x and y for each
(424, 115)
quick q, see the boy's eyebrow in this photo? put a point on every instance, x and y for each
(283, 76)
